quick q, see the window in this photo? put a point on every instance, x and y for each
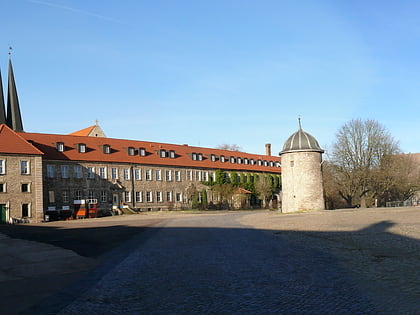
(178, 197)
(131, 151)
(169, 196)
(278, 164)
(148, 175)
(60, 146)
(107, 149)
(149, 197)
(91, 194)
(127, 196)
(194, 156)
(163, 153)
(239, 160)
(271, 163)
(232, 159)
(142, 152)
(212, 176)
(104, 196)
(205, 176)
(139, 196)
(197, 175)
(25, 210)
(66, 196)
(159, 196)
(24, 167)
(2, 166)
(137, 174)
(292, 163)
(189, 175)
(222, 159)
(158, 175)
(126, 173)
(200, 157)
(114, 173)
(26, 187)
(252, 161)
(168, 175)
(178, 176)
(64, 171)
(51, 196)
(172, 154)
(82, 148)
(90, 172)
(265, 163)
(2, 187)
(78, 171)
(102, 172)
(246, 161)
(213, 158)
(50, 171)
(78, 195)
(259, 162)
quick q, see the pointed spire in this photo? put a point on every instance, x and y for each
(14, 119)
(2, 108)
(300, 124)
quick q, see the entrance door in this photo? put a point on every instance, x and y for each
(115, 200)
(2, 213)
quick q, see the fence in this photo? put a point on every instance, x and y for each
(406, 203)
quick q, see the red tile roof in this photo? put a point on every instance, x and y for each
(83, 132)
(13, 143)
(47, 143)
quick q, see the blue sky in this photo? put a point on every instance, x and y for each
(208, 72)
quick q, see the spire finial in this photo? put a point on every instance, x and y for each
(10, 51)
(96, 122)
(300, 124)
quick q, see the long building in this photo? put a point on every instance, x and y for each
(42, 173)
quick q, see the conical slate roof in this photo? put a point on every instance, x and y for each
(301, 141)
(14, 119)
(2, 108)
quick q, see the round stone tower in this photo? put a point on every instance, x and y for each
(302, 186)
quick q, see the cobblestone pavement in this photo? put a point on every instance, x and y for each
(216, 264)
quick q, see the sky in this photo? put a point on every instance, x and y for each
(210, 72)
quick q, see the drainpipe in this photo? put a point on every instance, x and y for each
(133, 197)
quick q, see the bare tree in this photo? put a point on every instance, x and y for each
(358, 151)
(229, 147)
(264, 188)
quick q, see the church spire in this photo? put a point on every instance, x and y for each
(2, 108)
(14, 119)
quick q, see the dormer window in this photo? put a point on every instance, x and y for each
(163, 154)
(265, 163)
(197, 156)
(213, 158)
(131, 151)
(172, 154)
(246, 161)
(252, 161)
(271, 163)
(142, 151)
(222, 159)
(60, 146)
(232, 159)
(278, 164)
(107, 149)
(82, 147)
(239, 160)
(259, 162)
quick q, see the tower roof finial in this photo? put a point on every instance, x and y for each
(300, 123)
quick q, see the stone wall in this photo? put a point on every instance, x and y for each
(22, 193)
(302, 182)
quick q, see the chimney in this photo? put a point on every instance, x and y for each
(268, 149)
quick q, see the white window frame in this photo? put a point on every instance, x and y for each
(3, 190)
(91, 172)
(82, 148)
(2, 166)
(131, 151)
(148, 175)
(139, 196)
(60, 146)
(28, 187)
(178, 176)
(169, 196)
(142, 151)
(158, 175)
(171, 154)
(102, 172)
(178, 197)
(126, 172)
(107, 149)
(127, 196)
(159, 196)
(137, 174)
(168, 175)
(114, 173)
(64, 171)
(50, 171)
(149, 196)
(25, 167)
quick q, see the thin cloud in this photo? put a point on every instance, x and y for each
(62, 7)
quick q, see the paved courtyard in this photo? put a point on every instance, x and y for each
(363, 261)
